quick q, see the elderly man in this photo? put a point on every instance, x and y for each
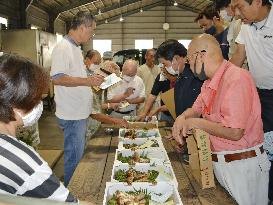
(255, 42)
(98, 103)
(148, 73)
(97, 115)
(231, 113)
(131, 89)
(92, 61)
(73, 95)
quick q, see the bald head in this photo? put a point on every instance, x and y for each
(130, 67)
(208, 43)
(205, 56)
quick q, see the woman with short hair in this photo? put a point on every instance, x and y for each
(22, 171)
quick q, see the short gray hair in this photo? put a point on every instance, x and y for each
(82, 17)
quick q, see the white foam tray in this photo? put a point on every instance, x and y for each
(166, 173)
(141, 133)
(140, 141)
(161, 188)
(157, 157)
(133, 119)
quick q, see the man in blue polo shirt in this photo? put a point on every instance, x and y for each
(176, 74)
(172, 55)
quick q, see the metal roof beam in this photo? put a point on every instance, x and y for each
(106, 9)
(158, 3)
(74, 5)
(117, 5)
(41, 6)
(181, 6)
(204, 2)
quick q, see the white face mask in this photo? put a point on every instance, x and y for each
(127, 78)
(225, 16)
(94, 67)
(172, 71)
(32, 117)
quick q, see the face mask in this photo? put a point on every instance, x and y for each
(127, 78)
(94, 67)
(225, 16)
(172, 71)
(211, 30)
(202, 75)
(32, 117)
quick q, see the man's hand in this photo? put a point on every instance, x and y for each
(94, 80)
(129, 92)
(181, 128)
(122, 122)
(129, 101)
(154, 112)
(114, 106)
(141, 117)
(178, 147)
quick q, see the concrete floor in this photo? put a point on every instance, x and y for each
(51, 137)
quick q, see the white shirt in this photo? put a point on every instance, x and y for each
(72, 103)
(258, 41)
(121, 87)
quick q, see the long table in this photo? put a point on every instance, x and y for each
(94, 170)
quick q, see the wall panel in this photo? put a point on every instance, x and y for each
(148, 25)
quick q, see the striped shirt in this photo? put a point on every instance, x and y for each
(23, 172)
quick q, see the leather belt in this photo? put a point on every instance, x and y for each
(238, 156)
(125, 113)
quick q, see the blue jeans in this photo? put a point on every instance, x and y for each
(74, 142)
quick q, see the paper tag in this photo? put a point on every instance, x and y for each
(110, 80)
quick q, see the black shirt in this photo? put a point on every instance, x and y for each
(161, 87)
(186, 90)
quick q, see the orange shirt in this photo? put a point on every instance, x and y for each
(231, 98)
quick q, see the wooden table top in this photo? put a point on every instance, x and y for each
(94, 170)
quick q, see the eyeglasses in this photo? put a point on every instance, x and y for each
(91, 29)
(188, 57)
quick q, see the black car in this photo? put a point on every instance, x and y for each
(121, 56)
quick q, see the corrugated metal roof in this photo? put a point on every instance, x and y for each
(110, 9)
